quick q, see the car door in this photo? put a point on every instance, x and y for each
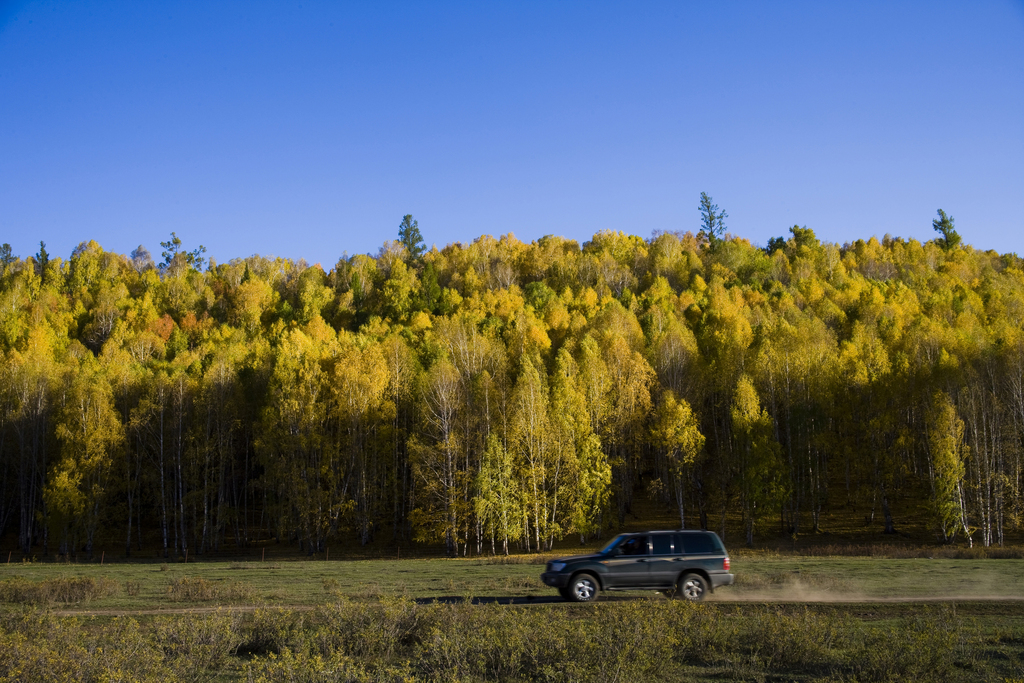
(629, 565)
(664, 563)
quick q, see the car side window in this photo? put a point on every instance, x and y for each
(662, 544)
(636, 545)
(698, 544)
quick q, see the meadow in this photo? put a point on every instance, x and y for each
(789, 617)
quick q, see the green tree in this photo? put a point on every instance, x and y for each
(42, 261)
(712, 221)
(172, 255)
(409, 235)
(944, 226)
(7, 256)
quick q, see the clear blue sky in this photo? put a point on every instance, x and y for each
(308, 129)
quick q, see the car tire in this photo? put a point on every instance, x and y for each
(692, 587)
(583, 588)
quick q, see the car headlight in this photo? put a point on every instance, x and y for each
(557, 566)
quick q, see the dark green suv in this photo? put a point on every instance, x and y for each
(687, 564)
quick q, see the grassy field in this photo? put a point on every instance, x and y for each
(827, 618)
(764, 577)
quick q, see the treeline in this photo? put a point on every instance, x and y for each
(503, 395)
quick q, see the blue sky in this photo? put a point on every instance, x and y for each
(308, 129)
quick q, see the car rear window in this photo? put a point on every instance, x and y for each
(698, 544)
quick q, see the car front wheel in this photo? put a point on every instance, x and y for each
(583, 588)
(692, 587)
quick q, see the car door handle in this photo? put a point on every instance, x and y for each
(677, 559)
(641, 560)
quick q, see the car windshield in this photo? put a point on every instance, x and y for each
(611, 544)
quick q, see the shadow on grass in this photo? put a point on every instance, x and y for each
(518, 600)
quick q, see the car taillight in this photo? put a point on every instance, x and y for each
(725, 564)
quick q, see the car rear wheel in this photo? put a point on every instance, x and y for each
(692, 587)
(583, 588)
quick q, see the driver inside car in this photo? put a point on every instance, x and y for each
(634, 546)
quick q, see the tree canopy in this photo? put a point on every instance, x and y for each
(503, 394)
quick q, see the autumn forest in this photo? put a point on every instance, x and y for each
(500, 396)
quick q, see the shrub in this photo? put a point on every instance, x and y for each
(36, 646)
(803, 640)
(272, 631)
(64, 590)
(374, 630)
(929, 647)
(608, 642)
(197, 646)
(304, 667)
(198, 589)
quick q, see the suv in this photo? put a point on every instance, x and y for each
(688, 564)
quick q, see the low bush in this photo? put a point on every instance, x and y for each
(304, 667)
(197, 647)
(273, 631)
(36, 646)
(939, 646)
(198, 589)
(805, 640)
(65, 590)
(400, 640)
(377, 630)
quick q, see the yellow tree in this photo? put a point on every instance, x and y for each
(531, 442)
(631, 378)
(436, 463)
(677, 430)
(298, 452)
(582, 478)
(761, 469)
(88, 428)
(30, 379)
(359, 385)
(947, 450)
(498, 503)
(403, 371)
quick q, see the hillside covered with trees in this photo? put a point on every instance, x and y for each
(498, 395)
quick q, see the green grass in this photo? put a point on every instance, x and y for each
(291, 584)
(761, 577)
(774, 578)
(787, 618)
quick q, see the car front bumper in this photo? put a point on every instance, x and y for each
(555, 579)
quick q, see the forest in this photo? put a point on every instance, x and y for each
(500, 396)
